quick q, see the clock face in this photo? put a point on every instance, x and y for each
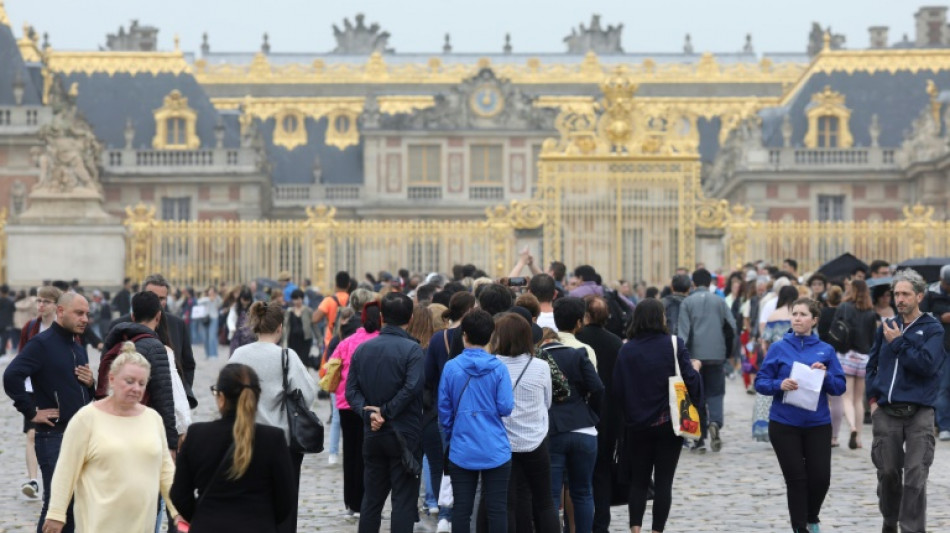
(486, 101)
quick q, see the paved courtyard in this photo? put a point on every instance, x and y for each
(738, 490)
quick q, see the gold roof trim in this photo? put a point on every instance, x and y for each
(29, 48)
(437, 71)
(4, 19)
(392, 105)
(112, 63)
(265, 108)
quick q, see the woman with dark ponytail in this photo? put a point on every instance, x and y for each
(265, 357)
(241, 470)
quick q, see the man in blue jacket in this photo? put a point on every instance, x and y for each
(903, 377)
(385, 385)
(58, 366)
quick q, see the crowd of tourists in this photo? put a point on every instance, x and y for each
(532, 402)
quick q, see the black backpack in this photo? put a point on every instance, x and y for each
(620, 314)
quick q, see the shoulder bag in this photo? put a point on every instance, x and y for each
(560, 388)
(306, 429)
(683, 414)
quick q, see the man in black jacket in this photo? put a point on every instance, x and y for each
(177, 334)
(159, 395)
(58, 368)
(123, 299)
(385, 385)
(606, 345)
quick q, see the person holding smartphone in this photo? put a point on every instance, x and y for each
(58, 368)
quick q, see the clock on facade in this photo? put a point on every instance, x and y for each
(486, 101)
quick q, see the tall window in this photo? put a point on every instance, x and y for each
(425, 164)
(176, 208)
(486, 164)
(828, 132)
(830, 207)
(175, 132)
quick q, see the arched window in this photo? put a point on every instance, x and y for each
(175, 124)
(828, 121)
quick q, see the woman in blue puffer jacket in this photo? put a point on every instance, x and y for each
(801, 437)
(474, 394)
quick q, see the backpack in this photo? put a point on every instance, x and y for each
(620, 314)
(105, 363)
(839, 336)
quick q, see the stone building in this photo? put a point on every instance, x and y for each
(836, 134)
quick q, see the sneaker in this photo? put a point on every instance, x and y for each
(350, 514)
(944, 435)
(814, 528)
(444, 526)
(698, 448)
(433, 511)
(333, 459)
(715, 442)
(31, 489)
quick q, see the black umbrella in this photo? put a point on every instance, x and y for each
(842, 266)
(928, 267)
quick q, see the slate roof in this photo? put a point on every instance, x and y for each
(897, 99)
(293, 167)
(11, 63)
(108, 101)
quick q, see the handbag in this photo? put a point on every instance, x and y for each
(683, 414)
(445, 462)
(330, 381)
(306, 430)
(407, 458)
(560, 388)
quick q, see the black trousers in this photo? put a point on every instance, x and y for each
(529, 491)
(805, 457)
(602, 483)
(655, 451)
(289, 525)
(383, 474)
(351, 428)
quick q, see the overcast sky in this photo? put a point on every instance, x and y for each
(475, 25)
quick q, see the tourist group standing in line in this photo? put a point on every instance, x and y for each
(517, 398)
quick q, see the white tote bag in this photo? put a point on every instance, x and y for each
(683, 414)
(446, 497)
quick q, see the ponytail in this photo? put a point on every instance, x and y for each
(241, 389)
(243, 432)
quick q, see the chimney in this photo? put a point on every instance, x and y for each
(878, 36)
(931, 26)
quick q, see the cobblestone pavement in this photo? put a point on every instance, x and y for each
(738, 490)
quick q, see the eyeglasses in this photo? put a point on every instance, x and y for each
(45, 302)
(215, 389)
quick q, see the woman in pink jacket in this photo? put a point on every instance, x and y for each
(351, 423)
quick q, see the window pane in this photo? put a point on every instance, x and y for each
(170, 131)
(486, 163)
(830, 207)
(425, 164)
(180, 131)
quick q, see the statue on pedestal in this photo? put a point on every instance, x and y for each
(69, 160)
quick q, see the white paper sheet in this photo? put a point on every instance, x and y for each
(809, 387)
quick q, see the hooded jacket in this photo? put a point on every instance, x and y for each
(49, 360)
(159, 392)
(471, 414)
(907, 369)
(777, 367)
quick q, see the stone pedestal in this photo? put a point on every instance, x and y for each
(81, 206)
(92, 253)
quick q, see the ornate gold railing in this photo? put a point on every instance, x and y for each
(814, 243)
(201, 253)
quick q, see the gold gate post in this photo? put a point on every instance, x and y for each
(739, 225)
(501, 223)
(139, 223)
(918, 221)
(321, 222)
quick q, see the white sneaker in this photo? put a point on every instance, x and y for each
(433, 511)
(333, 459)
(944, 435)
(444, 526)
(31, 489)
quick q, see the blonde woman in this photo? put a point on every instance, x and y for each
(114, 458)
(241, 470)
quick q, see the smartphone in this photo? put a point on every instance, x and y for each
(55, 419)
(517, 282)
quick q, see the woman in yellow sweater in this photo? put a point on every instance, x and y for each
(114, 458)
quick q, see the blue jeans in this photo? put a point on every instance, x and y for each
(575, 454)
(195, 330)
(210, 333)
(433, 445)
(431, 499)
(334, 426)
(47, 447)
(943, 399)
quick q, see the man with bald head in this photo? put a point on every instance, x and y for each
(58, 367)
